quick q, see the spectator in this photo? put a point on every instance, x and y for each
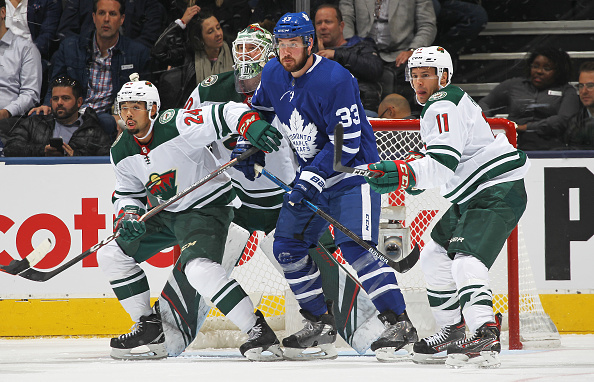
(580, 132)
(36, 20)
(541, 103)
(81, 133)
(194, 45)
(101, 60)
(397, 32)
(143, 22)
(20, 73)
(358, 55)
(458, 23)
(394, 106)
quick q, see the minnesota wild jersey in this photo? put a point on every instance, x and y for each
(462, 154)
(261, 193)
(176, 157)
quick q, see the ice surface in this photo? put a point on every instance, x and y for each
(87, 359)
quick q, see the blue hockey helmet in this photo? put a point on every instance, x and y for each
(295, 25)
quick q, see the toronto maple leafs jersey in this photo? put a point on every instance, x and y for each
(308, 109)
(260, 193)
(462, 154)
(176, 157)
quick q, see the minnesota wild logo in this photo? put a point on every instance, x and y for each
(163, 185)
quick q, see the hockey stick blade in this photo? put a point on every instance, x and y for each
(17, 266)
(401, 266)
(36, 275)
(338, 166)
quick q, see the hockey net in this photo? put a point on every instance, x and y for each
(409, 219)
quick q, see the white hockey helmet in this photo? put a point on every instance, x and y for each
(248, 68)
(139, 91)
(433, 57)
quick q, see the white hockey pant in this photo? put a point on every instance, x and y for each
(454, 284)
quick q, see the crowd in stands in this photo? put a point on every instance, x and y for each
(97, 44)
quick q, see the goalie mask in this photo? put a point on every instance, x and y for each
(139, 91)
(252, 49)
(432, 57)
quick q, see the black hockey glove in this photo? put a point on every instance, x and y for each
(247, 166)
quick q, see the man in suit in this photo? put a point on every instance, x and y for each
(398, 27)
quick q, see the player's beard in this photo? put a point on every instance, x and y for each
(297, 65)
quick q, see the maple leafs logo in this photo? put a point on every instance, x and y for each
(301, 135)
(163, 185)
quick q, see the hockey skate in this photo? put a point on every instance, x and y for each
(261, 338)
(482, 349)
(319, 331)
(145, 341)
(432, 349)
(398, 333)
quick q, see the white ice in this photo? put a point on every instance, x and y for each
(86, 360)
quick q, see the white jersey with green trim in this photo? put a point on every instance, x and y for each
(261, 193)
(176, 157)
(462, 154)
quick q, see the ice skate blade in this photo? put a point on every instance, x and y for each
(152, 351)
(391, 354)
(486, 360)
(430, 359)
(327, 351)
(271, 354)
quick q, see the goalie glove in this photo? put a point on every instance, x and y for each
(259, 132)
(128, 225)
(311, 182)
(247, 166)
(398, 175)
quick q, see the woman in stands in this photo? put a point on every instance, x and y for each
(541, 103)
(195, 47)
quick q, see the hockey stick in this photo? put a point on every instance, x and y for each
(17, 266)
(36, 275)
(401, 266)
(338, 166)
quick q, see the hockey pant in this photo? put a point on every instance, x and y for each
(303, 276)
(130, 285)
(455, 287)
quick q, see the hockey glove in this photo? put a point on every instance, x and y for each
(259, 132)
(398, 175)
(311, 182)
(247, 166)
(413, 155)
(128, 225)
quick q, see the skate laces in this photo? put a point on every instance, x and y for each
(255, 332)
(438, 337)
(134, 330)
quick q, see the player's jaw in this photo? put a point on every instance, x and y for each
(293, 64)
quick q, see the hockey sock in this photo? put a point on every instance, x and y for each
(127, 279)
(442, 292)
(211, 281)
(378, 279)
(476, 298)
(302, 274)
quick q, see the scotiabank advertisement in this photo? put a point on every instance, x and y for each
(71, 205)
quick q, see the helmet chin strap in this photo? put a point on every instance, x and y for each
(150, 130)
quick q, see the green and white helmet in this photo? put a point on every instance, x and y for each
(252, 49)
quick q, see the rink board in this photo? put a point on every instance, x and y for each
(71, 203)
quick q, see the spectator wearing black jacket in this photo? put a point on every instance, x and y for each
(358, 55)
(81, 134)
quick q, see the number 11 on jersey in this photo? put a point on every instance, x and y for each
(444, 126)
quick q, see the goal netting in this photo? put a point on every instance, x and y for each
(407, 221)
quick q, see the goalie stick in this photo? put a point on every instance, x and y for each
(338, 166)
(17, 266)
(401, 266)
(36, 275)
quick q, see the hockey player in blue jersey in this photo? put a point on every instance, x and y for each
(310, 95)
